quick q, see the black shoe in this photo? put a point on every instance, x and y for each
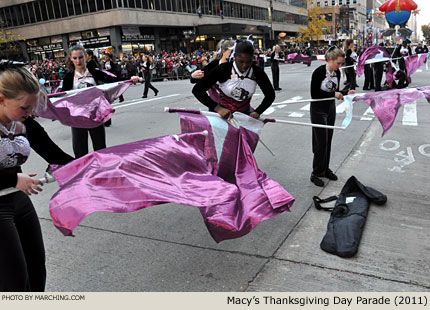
(108, 123)
(156, 93)
(278, 88)
(317, 181)
(330, 175)
(366, 88)
(144, 96)
(121, 99)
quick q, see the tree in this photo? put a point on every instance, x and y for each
(316, 24)
(8, 42)
(426, 32)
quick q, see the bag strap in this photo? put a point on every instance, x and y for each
(318, 201)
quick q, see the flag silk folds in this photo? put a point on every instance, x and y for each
(137, 175)
(231, 150)
(375, 54)
(386, 104)
(84, 108)
(413, 62)
(294, 57)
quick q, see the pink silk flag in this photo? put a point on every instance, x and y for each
(413, 63)
(386, 104)
(179, 169)
(375, 54)
(85, 108)
(232, 147)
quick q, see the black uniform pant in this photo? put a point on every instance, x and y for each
(378, 69)
(401, 78)
(322, 113)
(148, 85)
(275, 75)
(368, 77)
(22, 253)
(80, 139)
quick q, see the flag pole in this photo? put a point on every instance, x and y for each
(303, 100)
(265, 120)
(49, 178)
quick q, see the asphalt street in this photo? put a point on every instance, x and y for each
(168, 248)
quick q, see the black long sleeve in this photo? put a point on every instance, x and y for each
(318, 76)
(42, 144)
(221, 74)
(206, 69)
(98, 75)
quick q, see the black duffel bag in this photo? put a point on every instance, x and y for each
(348, 217)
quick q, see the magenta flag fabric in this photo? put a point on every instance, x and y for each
(294, 57)
(179, 169)
(373, 53)
(413, 63)
(260, 198)
(86, 108)
(386, 104)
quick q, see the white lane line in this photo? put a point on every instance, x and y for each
(272, 109)
(269, 110)
(306, 107)
(292, 99)
(368, 115)
(117, 106)
(296, 114)
(340, 108)
(410, 114)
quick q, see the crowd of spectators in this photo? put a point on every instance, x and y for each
(165, 65)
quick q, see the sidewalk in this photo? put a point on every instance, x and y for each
(394, 253)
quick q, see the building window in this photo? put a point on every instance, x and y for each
(326, 3)
(333, 2)
(318, 3)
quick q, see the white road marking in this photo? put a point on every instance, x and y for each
(410, 115)
(306, 107)
(117, 106)
(296, 114)
(368, 115)
(340, 108)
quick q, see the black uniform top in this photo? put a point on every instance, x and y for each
(275, 61)
(43, 145)
(206, 69)
(324, 85)
(349, 61)
(221, 74)
(98, 75)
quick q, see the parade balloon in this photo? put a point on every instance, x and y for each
(42, 81)
(398, 12)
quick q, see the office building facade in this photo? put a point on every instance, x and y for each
(135, 26)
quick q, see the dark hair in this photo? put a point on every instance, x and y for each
(244, 47)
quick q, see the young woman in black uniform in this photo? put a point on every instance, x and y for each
(80, 76)
(237, 82)
(146, 72)
(22, 253)
(325, 84)
(275, 58)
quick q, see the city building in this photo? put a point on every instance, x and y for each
(351, 19)
(49, 27)
(375, 24)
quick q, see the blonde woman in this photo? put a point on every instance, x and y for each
(22, 253)
(325, 84)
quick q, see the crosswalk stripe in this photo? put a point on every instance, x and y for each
(306, 107)
(340, 108)
(296, 114)
(410, 115)
(368, 115)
